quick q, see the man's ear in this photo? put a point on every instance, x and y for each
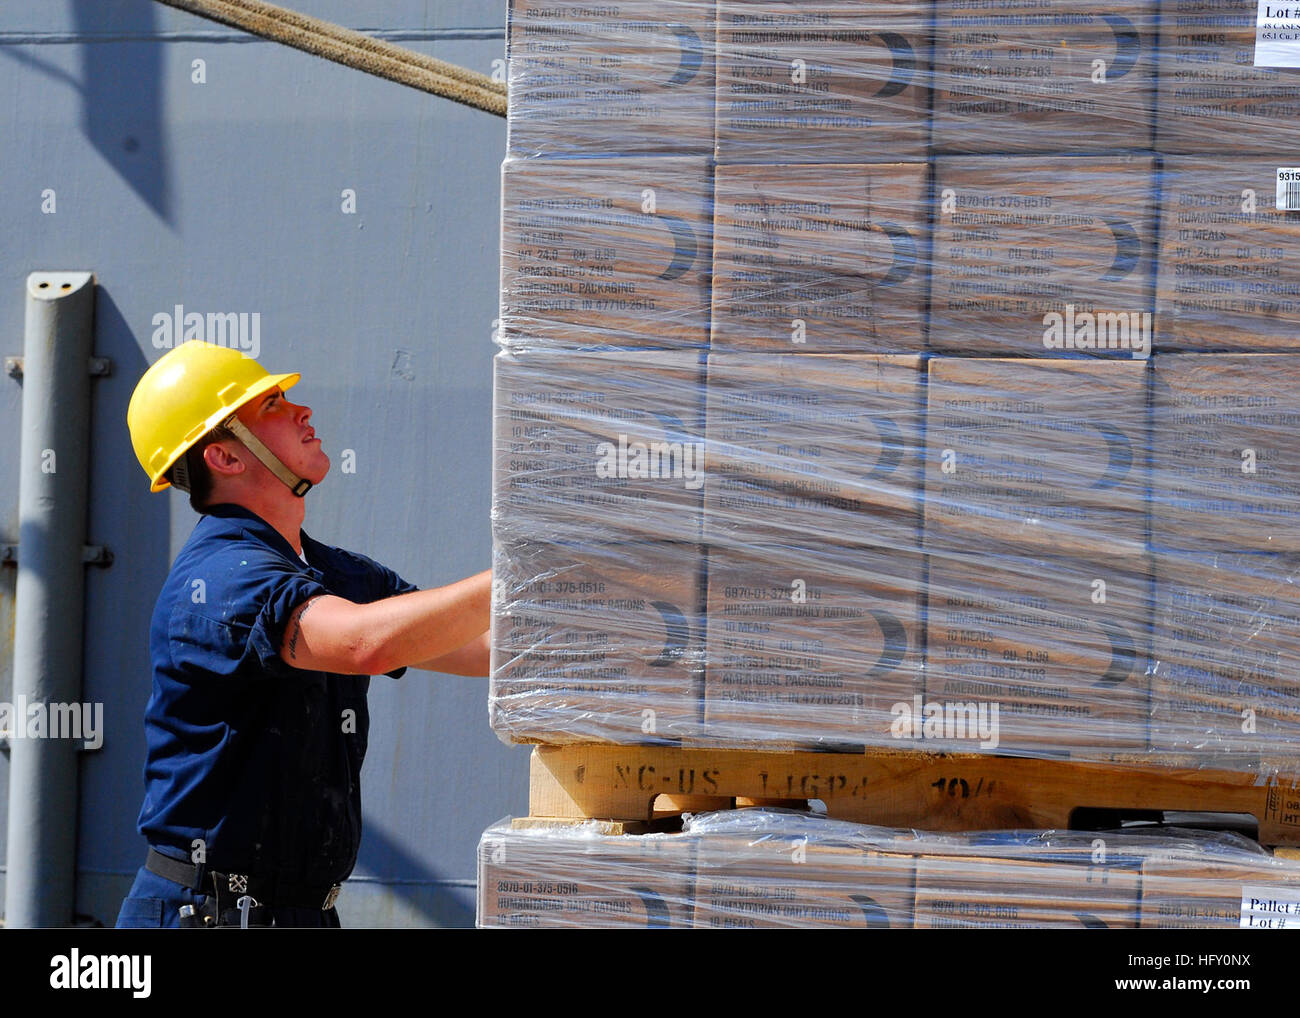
(221, 461)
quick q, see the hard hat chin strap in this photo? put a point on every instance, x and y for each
(298, 485)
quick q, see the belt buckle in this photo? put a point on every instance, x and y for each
(331, 897)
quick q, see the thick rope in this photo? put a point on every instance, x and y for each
(354, 49)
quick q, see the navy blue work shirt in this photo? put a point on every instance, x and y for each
(259, 760)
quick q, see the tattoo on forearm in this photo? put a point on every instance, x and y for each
(297, 628)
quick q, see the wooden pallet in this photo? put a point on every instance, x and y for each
(629, 786)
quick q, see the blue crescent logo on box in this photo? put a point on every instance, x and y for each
(904, 57)
(1128, 46)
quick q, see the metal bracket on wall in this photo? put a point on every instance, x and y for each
(6, 744)
(98, 367)
(91, 555)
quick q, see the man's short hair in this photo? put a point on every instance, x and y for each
(191, 474)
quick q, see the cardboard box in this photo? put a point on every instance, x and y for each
(596, 643)
(823, 447)
(1227, 655)
(810, 259)
(606, 252)
(790, 882)
(1211, 94)
(600, 446)
(810, 646)
(631, 77)
(1184, 892)
(1050, 455)
(1228, 275)
(1043, 76)
(570, 878)
(1054, 651)
(966, 892)
(840, 81)
(1044, 257)
(1226, 464)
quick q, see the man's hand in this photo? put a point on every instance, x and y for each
(421, 629)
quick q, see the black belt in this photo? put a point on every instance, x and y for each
(266, 893)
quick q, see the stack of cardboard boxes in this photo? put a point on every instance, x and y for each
(746, 869)
(1224, 513)
(606, 259)
(866, 354)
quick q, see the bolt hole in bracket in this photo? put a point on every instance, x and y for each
(91, 555)
(97, 367)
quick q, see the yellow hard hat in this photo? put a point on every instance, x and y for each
(191, 390)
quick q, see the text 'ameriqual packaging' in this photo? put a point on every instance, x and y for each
(816, 258)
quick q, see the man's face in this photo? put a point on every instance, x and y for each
(286, 429)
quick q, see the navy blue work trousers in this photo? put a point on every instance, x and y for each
(155, 902)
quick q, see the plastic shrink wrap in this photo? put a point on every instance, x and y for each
(767, 868)
(882, 370)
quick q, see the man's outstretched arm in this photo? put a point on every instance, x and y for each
(474, 658)
(332, 634)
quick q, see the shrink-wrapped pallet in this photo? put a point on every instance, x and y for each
(939, 355)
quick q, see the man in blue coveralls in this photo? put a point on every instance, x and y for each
(262, 644)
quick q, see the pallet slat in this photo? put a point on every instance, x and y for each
(930, 792)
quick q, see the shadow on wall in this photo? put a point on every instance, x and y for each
(420, 887)
(135, 525)
(129, 135)
(121, 92)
